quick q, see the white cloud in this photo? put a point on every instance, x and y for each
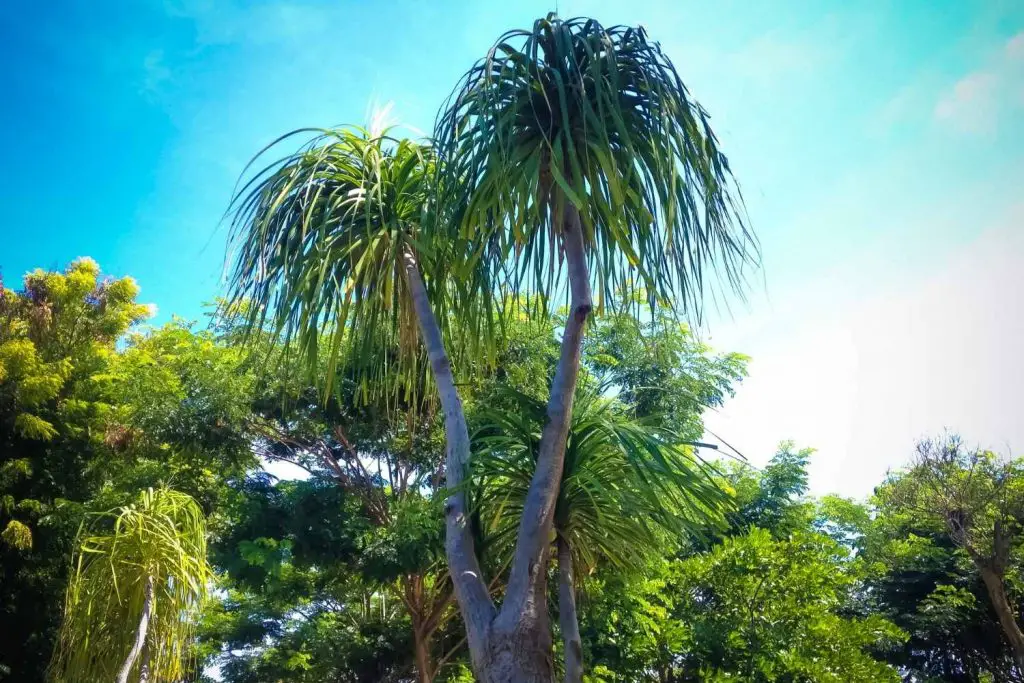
(863, 382)
(970, 105)
(1015, 47)
(980, 100)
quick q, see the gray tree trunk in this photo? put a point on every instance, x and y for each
(470, 589)
(147, 655)
(522, 629)
(140, 633)
(568, 618)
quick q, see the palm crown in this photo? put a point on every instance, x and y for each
(321, 236)
(574, 112)
(161, 541)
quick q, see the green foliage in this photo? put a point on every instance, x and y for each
(759, 609)
(17, 535)
(774, 498)
(57, 340)
(89, 415)
(661, 370)
(322, 239)
(160, 539)
(308, 580)
(774, 599)
(181, 412)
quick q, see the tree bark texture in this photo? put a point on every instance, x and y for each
(140, 633)
(424, 668)
(568, 618)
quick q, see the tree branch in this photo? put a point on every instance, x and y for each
(538, 509)
(470, 590)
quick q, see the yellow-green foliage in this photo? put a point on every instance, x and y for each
(57, 339)
(17, 535)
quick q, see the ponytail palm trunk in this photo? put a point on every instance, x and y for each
(141, 633)
(570, 158)
(568, 618)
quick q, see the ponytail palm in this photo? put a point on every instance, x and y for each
(572, 117)
(333, 243)
(134, 595)
(567, 144)
(571, 143)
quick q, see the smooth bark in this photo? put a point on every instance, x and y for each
(140, 633)
(522, 629)
(470, 588)
(996, 588)
(512, 645)
(568, 618)
(421, 645)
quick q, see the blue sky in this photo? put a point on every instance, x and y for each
(880, 146)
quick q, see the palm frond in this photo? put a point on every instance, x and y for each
(599, 117)
(626, 484)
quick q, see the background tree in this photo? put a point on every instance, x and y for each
(922, 582)
(89, 415)
(57, 338)
(758, 609)
(296, 600)
(978, 500)
(134, 596)
(772, 598)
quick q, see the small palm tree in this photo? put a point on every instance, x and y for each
(628, 487)
(132, 601)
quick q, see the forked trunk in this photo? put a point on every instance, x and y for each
(996, 588)
(568, 618)
(512, 645)
(140, 634)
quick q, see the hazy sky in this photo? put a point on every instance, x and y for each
(880, 147)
